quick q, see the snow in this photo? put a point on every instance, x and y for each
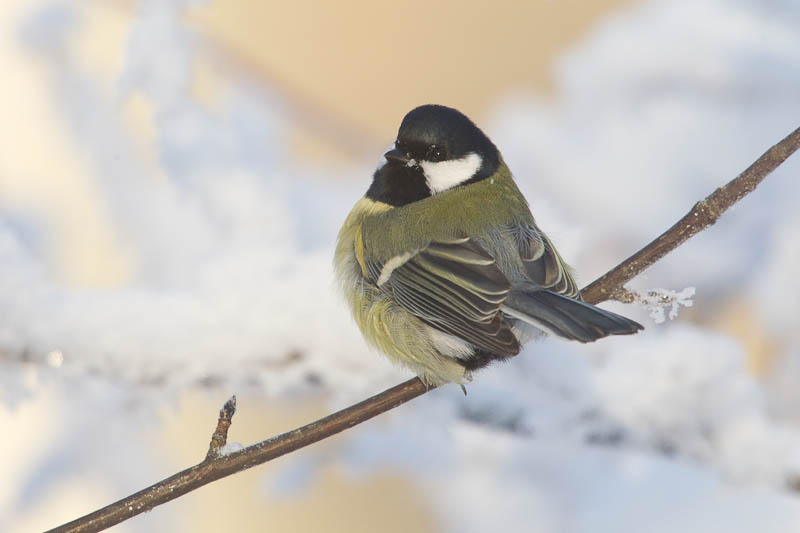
(227, 246)
(229, 448)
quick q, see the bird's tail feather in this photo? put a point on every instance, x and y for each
(567, 317)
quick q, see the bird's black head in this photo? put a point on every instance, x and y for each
(437, 148)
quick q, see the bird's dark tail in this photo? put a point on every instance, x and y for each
(566, 317)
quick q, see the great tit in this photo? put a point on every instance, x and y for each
(441, 261)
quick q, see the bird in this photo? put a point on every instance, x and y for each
(442, 264)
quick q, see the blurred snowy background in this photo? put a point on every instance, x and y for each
(172, 176)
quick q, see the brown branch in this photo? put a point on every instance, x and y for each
(704, 214)
(212, 469)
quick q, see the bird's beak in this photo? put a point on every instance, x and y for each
(397, 155)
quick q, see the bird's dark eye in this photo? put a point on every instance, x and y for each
(436, 153)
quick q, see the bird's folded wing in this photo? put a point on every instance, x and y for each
(455, 287)
(542, 262)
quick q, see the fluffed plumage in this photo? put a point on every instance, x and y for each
(447, 272)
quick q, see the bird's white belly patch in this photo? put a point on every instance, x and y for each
(443, 175)
(449, 345)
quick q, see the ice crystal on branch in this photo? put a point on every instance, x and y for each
(657, 301)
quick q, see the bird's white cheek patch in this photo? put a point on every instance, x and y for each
(442, 175)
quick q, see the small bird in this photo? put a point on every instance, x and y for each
(441, 261)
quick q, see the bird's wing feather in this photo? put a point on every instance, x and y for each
(542, 262)
(455, 287)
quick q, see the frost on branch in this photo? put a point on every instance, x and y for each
(656, 301)
(229, 448)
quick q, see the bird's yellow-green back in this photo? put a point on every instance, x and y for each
(469, 210)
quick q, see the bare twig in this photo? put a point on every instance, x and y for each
(220, 436)
(704, 214)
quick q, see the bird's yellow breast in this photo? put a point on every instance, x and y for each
(349, 261)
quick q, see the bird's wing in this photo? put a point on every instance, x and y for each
(542, 262)
(453, 286)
